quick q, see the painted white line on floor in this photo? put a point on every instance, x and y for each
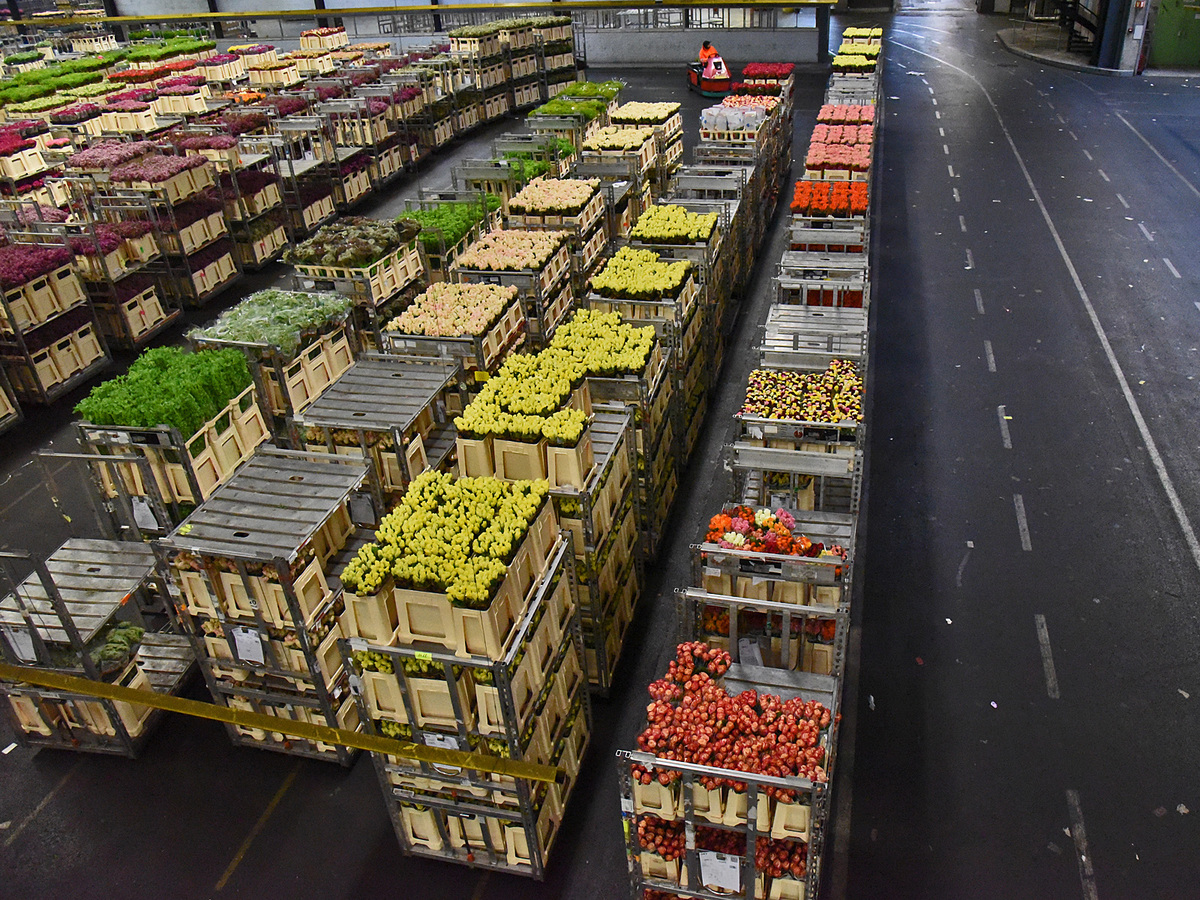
(1198, 304)
(1191, 187)
(963, 565)
(931, 89)
(1072, 134)
(935, 101)
(946, 149)
(1043, 634)
(1105, 177)
(1061, 120)
(37, 809)
(957, 199)
(10, 748)
(1135, 410)
(1005, 435)
(962, 224)
(979, 301)
(258, 826)
(1022, 522)
(1088, 155)
(991, 357)
(1124, 202)
(941, 132)
(1086, 874)
(970, 260)
(938, 114)
(1049, 104)
(1146, 232)
(1174, 271)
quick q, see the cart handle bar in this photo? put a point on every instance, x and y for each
(513, 768)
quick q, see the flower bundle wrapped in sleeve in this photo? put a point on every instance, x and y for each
(832, 397)
(451, 536)
(452, 310)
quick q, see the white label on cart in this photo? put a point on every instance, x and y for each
(627, 804)
(755, 431)
(749, 653)
(444, 742)
(22, 643)
(720, 870)
(249, 645)
(358, 645)
(711, 572)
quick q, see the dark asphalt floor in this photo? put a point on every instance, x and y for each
(949, 795)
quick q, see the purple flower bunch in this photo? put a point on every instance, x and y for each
(156, 169)
(196, 209)
(254, 49)
(185, 80)
(209, 142)
(179, 90)
(219, 59)
(130, 229)
(141, 95)
(38, 212)
(240, 123)
(126, 106)
(287, 106)
(21, 263)
(330, 92)
(209, 255)
(107, 240)
(109, 154)
(73, 115)
(356, 163)
(129, 287)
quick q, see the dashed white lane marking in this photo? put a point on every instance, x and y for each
(1088, 155)
(1005, 435)
(1135, 410)
(1105, 177)
(935, 101)
(946, 149)
(970, 260)
(1174, 271)
(991, 357)
(1198, 304)
(1061, 120)
(1049, 104)
(45, 800)
(1043, 634)
(1124, 202)
(1087, 875)
(1191, 187)
(1022, 522)
(1146, 232)
(957, 199)
(979, 302)
(1072, 134)
(931, 90)
(936, 113)
(950, 169)
(941, 132)
(962, 224)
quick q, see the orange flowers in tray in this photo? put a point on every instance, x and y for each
(830, 198)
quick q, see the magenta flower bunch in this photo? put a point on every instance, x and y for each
(356, 163)
(73, 115)
(330, 92)
(129, 287)
(181, 80)
(109, 154)
(11, 143)
(209, 142)
(179, 90)
(240, 123)
(107, 240)
(209, 255)
(218, 59)
(130, 106)
(196, 209)
(39, 212)
(143, 95)
(21, 263)
(130, 229)
(156, 169)
(287, 106)
(254, 49)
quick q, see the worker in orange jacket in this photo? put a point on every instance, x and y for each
(707, 52)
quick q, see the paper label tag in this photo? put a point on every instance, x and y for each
(754, 431)
(749, 653)
(358, 645)
(422, 656)
(444, 741)
(711, 572)
(249, 645)
(720, 870)
(22, 643)
(627, 804)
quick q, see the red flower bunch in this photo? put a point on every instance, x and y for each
(767, 70)
(11, 143)
(138, 76)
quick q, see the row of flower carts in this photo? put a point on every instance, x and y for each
(418, 500)
(137, 182)
(727, 789)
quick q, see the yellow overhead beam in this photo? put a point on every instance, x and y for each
(514, 768)
(501, 8)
